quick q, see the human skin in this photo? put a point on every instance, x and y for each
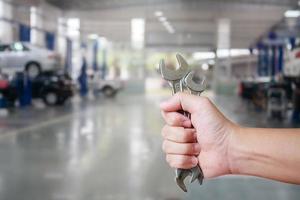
(222, 147)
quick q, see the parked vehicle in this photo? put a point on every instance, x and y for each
(8, 93)
(108, 87)
(52, 87)
(25, 57)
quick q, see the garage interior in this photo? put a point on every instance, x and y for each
(80, 90)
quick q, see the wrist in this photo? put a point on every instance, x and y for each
(235, 152)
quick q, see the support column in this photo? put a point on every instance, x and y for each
(6, 26)
(222, 69)
(36, 24)
(61, 41)
(73, 33)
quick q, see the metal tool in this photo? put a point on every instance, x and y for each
(176, 79)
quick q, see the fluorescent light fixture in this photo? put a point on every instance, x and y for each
(137, 33)
(166, 23)
(205, 66)
(158, 13)
(73, 25)
(204, 55)
(292, 13)
(239, 52)
(93, 36)
(162, 19)
(223, 53)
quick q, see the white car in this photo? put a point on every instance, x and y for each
(108, 87)
(21, 56)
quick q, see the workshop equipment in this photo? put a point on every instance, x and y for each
(176, 79)
(277, 104)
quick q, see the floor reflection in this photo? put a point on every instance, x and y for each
(109, 150)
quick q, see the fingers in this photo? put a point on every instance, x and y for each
(181, 161)
(176, 119)
(183, 101)
(192, 149)
(179, 134)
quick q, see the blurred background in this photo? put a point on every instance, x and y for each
(80, 89)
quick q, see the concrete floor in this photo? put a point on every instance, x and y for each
(111, 149)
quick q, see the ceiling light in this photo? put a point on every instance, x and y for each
(166, 23)
(162, 19)
(158, 13)
(93, 36)
(292, 13)
(205, 66)
(204, 55)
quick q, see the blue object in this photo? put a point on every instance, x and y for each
(280, 58)
(50, 40)
(24, 87)
(95, 55)
(273, 61)
(24, 33)
(82, 79)
(265, 68)
(292, 42)
(295, 117)
(104, 65)
(3, 103)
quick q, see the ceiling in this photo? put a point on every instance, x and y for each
(194, 21)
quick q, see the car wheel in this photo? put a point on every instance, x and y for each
(33, 69)
(50, 98)
(109, 91)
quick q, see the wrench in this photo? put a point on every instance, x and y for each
(175, 78)
(196, 86)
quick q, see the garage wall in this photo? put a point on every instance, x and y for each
(13, 14)
(6, 28)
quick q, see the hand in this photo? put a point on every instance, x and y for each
(203, 140)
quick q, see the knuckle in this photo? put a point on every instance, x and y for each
(164, 131)
(186, 136)
(173, 119)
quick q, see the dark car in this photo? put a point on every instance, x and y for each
(54, 88)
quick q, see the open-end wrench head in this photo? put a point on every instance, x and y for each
(194, 86)
(181, 184)
(174, 75)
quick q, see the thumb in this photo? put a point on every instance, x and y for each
(181, 101)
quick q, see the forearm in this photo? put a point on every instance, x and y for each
(269, 153)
